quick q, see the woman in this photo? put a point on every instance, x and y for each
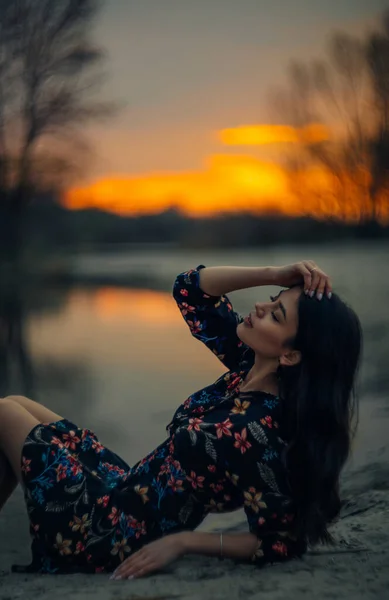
(271, 435)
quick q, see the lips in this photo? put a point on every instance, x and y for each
(248, 321)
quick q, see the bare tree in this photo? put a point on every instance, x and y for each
(337, 92)
(378, 61)
(49, 69)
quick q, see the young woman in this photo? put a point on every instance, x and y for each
(271, 436)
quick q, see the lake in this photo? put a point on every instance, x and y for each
(120, 360)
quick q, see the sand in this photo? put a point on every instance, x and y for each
(357, 568)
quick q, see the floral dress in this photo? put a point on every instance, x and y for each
(89, 510)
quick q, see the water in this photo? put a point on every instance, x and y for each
(120, 360)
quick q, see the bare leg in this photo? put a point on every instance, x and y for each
(33, 414)
(40, 412)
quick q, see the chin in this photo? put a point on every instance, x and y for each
(243, 334)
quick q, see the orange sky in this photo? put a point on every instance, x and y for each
(227, 182)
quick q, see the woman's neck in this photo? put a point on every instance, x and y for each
(261, 378)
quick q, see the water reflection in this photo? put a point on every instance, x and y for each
(15, 359)
(120, 360)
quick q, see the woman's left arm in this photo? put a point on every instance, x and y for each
(235, 545)
(157, 555)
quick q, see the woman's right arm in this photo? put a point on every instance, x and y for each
(208, 311)
(217, 281)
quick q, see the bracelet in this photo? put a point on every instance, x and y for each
(221, 547)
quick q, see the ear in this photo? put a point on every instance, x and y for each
(289, 359)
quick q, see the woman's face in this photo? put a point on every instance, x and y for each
(268, 327)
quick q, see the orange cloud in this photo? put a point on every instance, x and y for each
(258, 135)
(227, 183)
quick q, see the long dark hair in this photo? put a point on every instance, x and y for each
(320, 410)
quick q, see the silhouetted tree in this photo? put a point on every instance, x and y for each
(48, 69)
(378, 62)
(348, 91)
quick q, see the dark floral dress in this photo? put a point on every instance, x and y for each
(89, 510)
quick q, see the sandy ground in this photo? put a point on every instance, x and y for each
(357, 568)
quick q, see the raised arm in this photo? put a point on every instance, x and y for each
(217, 281)
(208, 312)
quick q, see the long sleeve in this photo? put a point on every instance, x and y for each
(211, 319)
(253, 463)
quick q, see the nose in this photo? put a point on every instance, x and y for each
(259, 309)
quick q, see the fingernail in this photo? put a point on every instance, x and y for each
(131, 577)
(312, 293)
(117, 577)
(329, 295)
(306, 292)
(319, 296)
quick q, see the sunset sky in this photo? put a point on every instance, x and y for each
(191, 75)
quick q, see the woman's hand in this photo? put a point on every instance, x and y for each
(152, 557)
(305, 273)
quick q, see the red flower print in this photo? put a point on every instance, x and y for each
(71, 440)
(26, 465)
(223, 428)
(175, 484)
(261, 521)
(97, 447)
(212, 468)
(280, 548)
(184, 292)
(61, 472)
(119, 471)
(241, 441)
(187, 402)
(185, 309)
(195, 326)
(104, 501)
(57, 442)
(267, 421)
(76, 469)
(164, 469)
(196, 480)
(114, 516)
(234, 382)
(195, 424)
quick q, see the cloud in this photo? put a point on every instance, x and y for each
(226, 183)
(258, 135)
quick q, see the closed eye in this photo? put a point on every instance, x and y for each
(273, 299)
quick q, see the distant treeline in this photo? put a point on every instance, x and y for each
(49, 225)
